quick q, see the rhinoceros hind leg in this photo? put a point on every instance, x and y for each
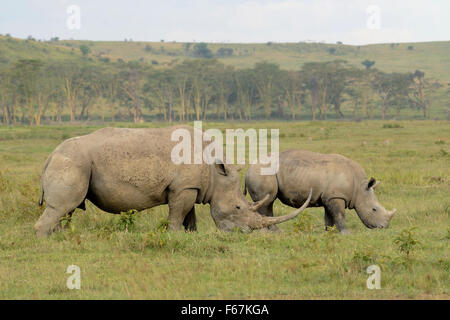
(190, 221)
(180, 205)
(65, 186)
(336, 209)
(50, 221)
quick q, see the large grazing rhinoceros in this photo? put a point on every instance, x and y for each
(124, 169)
(337, 183)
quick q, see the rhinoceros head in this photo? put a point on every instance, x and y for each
(231, 210)
(369, 210)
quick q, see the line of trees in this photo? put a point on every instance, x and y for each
(35, 92)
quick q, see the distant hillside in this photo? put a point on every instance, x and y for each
(102, 57)
(431, 57)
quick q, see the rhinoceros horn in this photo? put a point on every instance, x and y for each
(260, 221)
(391, 213)
(258, 204)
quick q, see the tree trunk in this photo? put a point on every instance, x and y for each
(5, 115)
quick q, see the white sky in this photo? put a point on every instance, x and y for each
(349, 21)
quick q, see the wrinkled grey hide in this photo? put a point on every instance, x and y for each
(337, 183)
(123, 169)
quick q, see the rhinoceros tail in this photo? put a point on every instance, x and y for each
(41, 200)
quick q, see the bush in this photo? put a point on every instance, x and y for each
(85, 49)
(391, 126)
(126, 221)
(201, 50)
(225, 52)
(407, 241)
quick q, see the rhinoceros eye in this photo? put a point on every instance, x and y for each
(374, 209)
(238, 207)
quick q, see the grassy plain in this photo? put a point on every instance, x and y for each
(411, 158)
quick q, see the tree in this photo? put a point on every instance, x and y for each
(27, 73)
(392, 88)
(245, 91)
(6, 96)
(225, 52)
(316, 81)
(368, 64)
(132, 76)
(201, 50)
(337, 80)
(293, 88)
(266, 74)
(85, 49)
(421, 88)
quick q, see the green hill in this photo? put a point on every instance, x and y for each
(431, 57)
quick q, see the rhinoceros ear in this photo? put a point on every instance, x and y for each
(221, 167)
(372, 183)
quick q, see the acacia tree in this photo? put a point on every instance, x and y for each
(223, 79)
(90, 83)
(245, 91)
(6, 94)
(27, 74)
(421, 89)
(132, 77)
(182, 79)
(316, 82)
(292, 84)
(392, 88)
(161, 89)
(265, 76)
(71, 84)
(337, 80)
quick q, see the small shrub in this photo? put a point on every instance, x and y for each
(304, 223)
(444, 153)
(391, 126)
(162, 225)
(156, 238)
(66, 223)
(126, 221)
(407, 241)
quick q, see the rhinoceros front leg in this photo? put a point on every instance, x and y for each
(190, 221)
(181, 209)
(328, 217)
(335, 215)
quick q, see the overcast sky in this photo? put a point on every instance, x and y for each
(349, 21)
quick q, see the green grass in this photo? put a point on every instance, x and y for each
(135, 257)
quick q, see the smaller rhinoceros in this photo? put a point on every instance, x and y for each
(337, 183)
